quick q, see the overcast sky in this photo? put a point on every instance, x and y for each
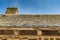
(32, 6)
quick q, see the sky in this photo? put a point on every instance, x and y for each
(32, 6)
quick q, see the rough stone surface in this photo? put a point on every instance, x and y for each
(30, 20)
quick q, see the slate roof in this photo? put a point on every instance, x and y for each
(29, 20)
